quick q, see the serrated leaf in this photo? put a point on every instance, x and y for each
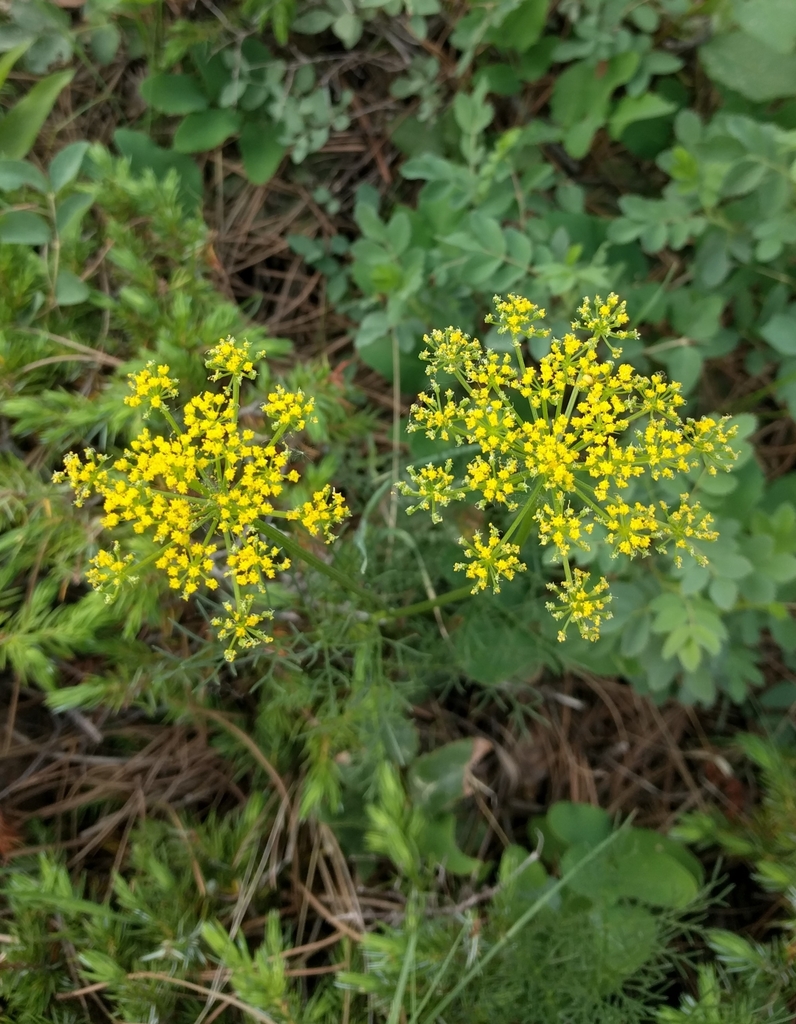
(723, 593)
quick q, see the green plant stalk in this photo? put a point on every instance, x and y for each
(294, 549)
(521, 922)
(427, 606)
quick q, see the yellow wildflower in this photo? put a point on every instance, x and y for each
(490, 560)
(203, 492)
(566, 456)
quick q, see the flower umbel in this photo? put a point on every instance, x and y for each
(203, 492)
(490, 560)
(561, 445)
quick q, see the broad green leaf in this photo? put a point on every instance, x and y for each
(399, 232)
(635, 635)
(348, 29)
(65, 166)
(437, 843)
(723, 593)
(630, 936)
(639, 865)
(208, 130)
(21, 125)
(437, 780)
(261, 151)
(16, 174)
(24, 228)
(69, 289)
(489, 234)
(104, 42)
(780, 333)
(743, 63)
(521, 28)
(579, 823)
(174, 94)
(773, 22)
(638, 108)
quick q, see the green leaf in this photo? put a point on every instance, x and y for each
(16, 174)
(579, 823)
(638, 108)
(261, 151)
(723, 593)
(21, 125)
(437, 780)
(69, 289)
(437, 842)
(780, 333)
(65, 166)
(174, 94)
(491, 648)
(313, 22)
(748, 66)
(521, 28)
(105, 42)
(142, 152)
(348, 29)
(635, 635)
(630, 936)
(8, 60)
(773, 22)
(69, 212)
(640, 865)
(201, 132)
(24, 228)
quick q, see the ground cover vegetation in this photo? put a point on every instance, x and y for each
(275, 276)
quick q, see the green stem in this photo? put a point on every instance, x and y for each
(426, 606)
(295, 550)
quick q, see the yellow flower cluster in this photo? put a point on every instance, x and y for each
(239, 626)
(231, 358)
(203, 492)
(151, 386)
(490, 560)
(560, 444)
